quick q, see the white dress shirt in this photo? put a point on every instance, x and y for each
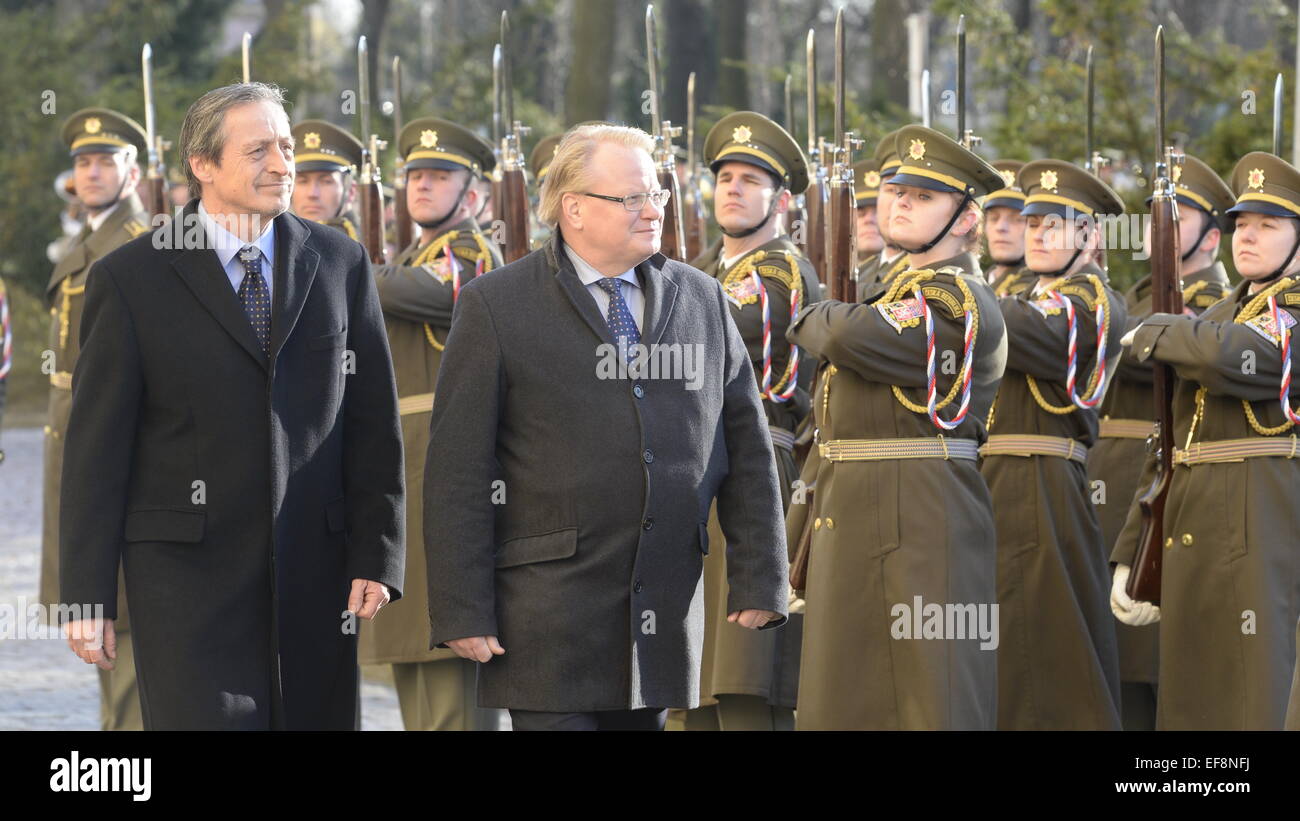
(98, 219)
(227, 246)
(634, 296)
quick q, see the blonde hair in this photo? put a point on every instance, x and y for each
(570, 171)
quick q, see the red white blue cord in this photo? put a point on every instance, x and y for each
(766, 389)
(1099, 390)
(968, 369)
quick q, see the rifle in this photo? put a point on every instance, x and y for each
(155, 177)
(964, 135)
(696, 231)
(794, 215)
(1277, 116)
(817, 199)
(494, 176)
(512, 208)
(925, 97)
(674, 237)
(841, 250)
(401, 212)
(371, 193)
(1093, 159)
(1166, 297)
(246, 47)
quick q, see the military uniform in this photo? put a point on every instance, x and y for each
(1013, 278)
(435, 688)
(901, 517)
(1230, 586)
(323, 146)
(1126, 422)
(1058, 666)
(748, 678)
(91, 130)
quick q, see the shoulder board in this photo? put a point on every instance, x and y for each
(940, 294)
(135, 228)
(1205, 300)
(1083, 291)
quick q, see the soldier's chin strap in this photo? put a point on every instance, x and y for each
(1286, 263)
(343, 200)
(1209, 223)
(961, 206)
(455, 206)
(771, 210)
(121, 189)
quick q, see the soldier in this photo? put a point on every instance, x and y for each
(866, 191)
(749, 678)
(1004, 233)
(1057, 664)
(1126, 412)
(1230, 586)
(895, 435)
(435, 688)
(325, 162)
(539, 162)
(104, 146)
(891, 260)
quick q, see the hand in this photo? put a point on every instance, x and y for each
(1127, 339)
(797, 605)
(94, 641)
(753, 619)
(1128, 611)
(366, 598)
(477, 648)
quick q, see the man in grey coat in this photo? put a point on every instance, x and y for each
(593, 400)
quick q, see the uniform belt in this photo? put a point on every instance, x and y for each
(1125, 429)
(875, 450)
(415, 403)
(61, 379)
(781, 437)
(1235, 450)
(1029, 444)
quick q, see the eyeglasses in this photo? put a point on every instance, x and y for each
(635, 202)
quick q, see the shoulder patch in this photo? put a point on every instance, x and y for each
(906, 313)
(1263, 325)
(937, 293)
(1291, 299)
(1206, 300)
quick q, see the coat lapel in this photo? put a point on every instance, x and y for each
(295, 270)
(201, 271)
(660, 295)
(577, 293)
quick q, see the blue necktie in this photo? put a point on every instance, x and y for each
(618, 317)
(254, 296)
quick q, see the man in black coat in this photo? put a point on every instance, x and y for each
(234, 442)
(567, 489)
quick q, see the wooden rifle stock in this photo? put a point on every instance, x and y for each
(673, 244)
(372, 222)
(401, 211)
(817, 208)
(841, 226)
(514, 212)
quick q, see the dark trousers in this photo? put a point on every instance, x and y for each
(645, 719)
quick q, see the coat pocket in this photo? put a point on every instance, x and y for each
(162, 524)
(544, 547)
(325, 343)
(704, 538)
(336, 516)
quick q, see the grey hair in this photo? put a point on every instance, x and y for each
(203, 132)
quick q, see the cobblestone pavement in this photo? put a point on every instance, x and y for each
(42, 685)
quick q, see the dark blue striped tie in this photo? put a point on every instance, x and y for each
(255, 298)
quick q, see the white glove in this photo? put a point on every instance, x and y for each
(1127, 341)
(796, 604)
(1134, 613)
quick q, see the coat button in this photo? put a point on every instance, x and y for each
(636, 588)
(648, 523)
(817, 523)
(830, 523)
(648, 456)
(638, 391)
(1169, 542)
(1187, 539)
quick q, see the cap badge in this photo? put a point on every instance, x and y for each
(428, 138)
(1256, 178)
(311, 140)
(871, 179)
(916, 150)
(93, 125)
(1048, 180)
(741, 134)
